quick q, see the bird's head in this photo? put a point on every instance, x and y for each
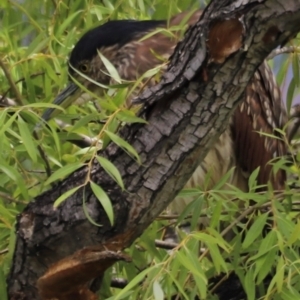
(116, 41)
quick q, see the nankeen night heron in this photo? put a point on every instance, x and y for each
(240, 146)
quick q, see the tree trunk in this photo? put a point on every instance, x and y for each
(186, 112)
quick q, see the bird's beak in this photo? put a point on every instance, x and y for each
(66, 97)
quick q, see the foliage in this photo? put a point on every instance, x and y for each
(35, 40)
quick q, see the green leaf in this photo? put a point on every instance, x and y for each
(204, 237)
(8, 123)
(86, 212)
(3, 291)
(264, 265)
(120, 96)
(255, 230)
(201, 280)
(294, 235)
(111, 170)
(110, 68)
(290, 94)
(85, 120)
(123, 144)
(290, 293)
(295, 66)
(220, 184)
(109, 4)
(108, 105)
(215, 219)
(279, 274)
(218, 260)
(37, 44)
(219, 239)
(104, 200)
(179, 286)
(252, 183)
(249, 285)
(56, 139)
(64, 196)
(147, 74)
(158, 292)
(66, 22)
(82, 87)
(195, 210)
(128, 116)
(6, 214)
(51, 73)
(265, 246)
(189, 192)
(63, 172)
(85, 151)
(124, 295)
(188, 263)
(13, 174)
(27, 140)
(136, 280)
(3, 114)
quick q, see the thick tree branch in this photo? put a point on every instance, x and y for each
(186, 113)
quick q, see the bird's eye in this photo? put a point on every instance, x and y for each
(83, 68)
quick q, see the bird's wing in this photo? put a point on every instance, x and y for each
(261, 111)
(147, 53)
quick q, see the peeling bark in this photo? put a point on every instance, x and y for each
(186, 112)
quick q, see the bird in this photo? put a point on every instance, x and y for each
(134, 47)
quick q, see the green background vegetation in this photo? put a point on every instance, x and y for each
(35, 40)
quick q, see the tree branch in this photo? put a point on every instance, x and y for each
(11, 83)
(283, 50)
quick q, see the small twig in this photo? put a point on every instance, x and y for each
(36, 171)
(23, 79)
(83, 140)
(43, 155)
(32, 76)
(11, 83)
(287, 49)
(118, 283)
(165, 245)
(249, 210)
(3, 251)
(7, 102)
(11, 199)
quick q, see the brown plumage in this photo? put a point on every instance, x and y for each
(240, 146)
(261, 111)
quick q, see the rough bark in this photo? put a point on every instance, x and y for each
(186, 112)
